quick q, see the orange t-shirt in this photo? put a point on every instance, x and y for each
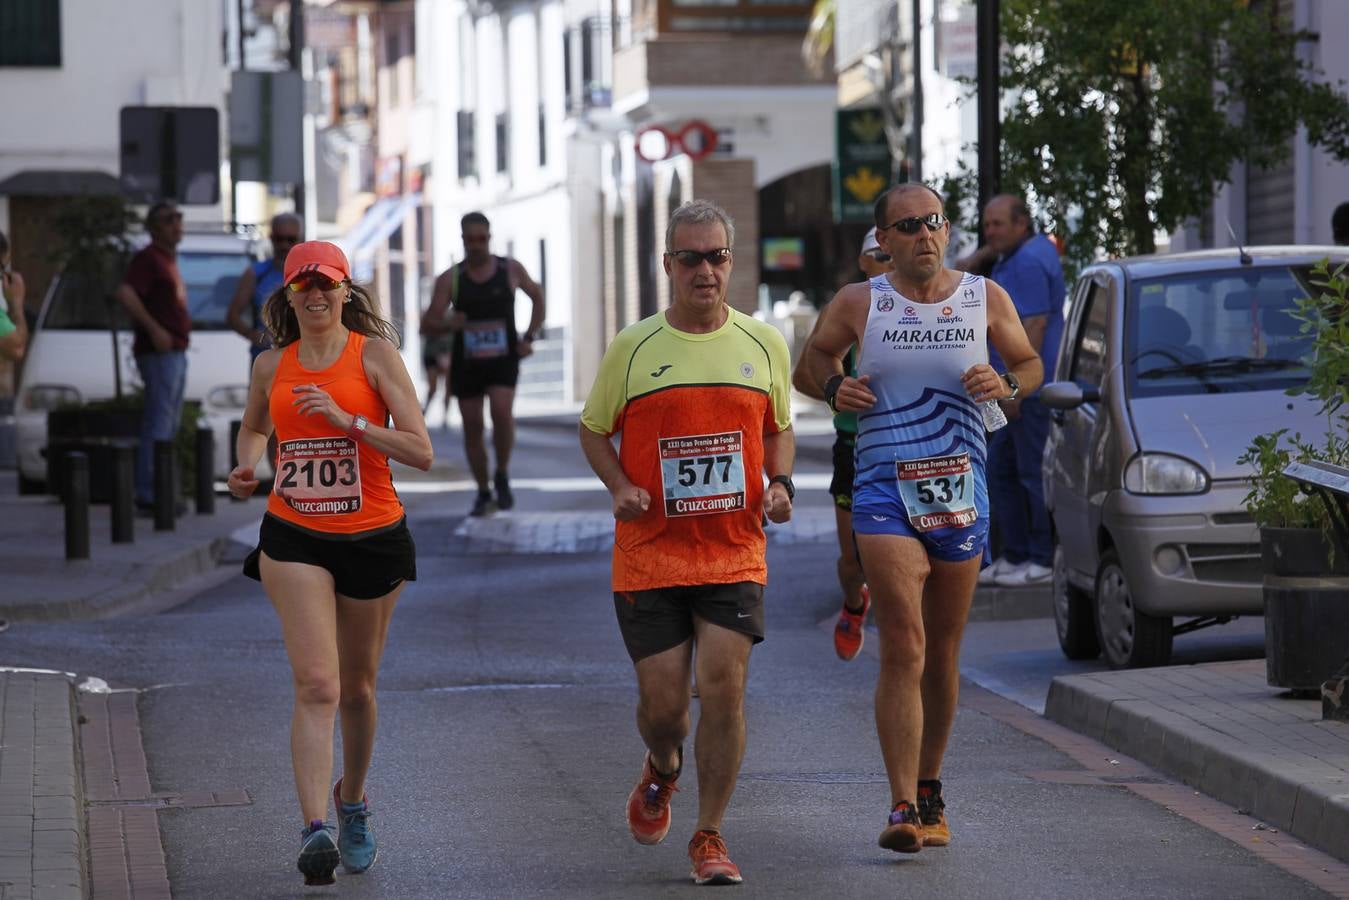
(693, 410)
(333, 484)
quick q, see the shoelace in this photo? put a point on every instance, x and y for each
(657, 795)
(708, 847)
(930, 809)
(355, 825)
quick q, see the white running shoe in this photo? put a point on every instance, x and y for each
(1026, 575)
(1000, 566)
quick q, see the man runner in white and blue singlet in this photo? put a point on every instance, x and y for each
(920, 500)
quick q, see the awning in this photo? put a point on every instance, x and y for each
(59, 183)
(382, 219)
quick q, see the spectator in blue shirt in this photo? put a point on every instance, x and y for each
(1028, 269)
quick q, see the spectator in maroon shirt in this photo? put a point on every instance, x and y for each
(154, 294)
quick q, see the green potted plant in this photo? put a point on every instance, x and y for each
(1306, 600)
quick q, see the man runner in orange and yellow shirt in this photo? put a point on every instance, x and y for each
(701, 395)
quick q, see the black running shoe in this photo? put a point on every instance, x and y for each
(318, 854)
(505, 499)
(483, 506)
(932, 813)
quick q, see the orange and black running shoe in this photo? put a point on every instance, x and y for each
(903, 830)
(932, 813)
(848, 634)
(711, 865)
(649, 804)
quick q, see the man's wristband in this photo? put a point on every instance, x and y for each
(831, 389)
(786, 482)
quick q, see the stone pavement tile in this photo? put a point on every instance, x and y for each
(1237, 739)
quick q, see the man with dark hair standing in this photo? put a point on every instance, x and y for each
(485, 357)
(1339, 224)
(1028, 269)
(155, 296)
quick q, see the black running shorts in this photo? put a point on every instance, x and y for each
(654, 621)
(845, 469)
(472, 379)
(363, 568)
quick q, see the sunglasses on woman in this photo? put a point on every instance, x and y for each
(310, 280)
(692, 258)
(914, 224)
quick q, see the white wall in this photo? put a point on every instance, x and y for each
(119, 54)
(1326, 184)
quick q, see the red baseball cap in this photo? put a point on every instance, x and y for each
(317, 256)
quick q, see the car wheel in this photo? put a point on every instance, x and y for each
(1074, 614)
(1129, 639)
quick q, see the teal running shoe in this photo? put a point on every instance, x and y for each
(355, 839)
(318, 853)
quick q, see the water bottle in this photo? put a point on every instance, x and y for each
(994, 418)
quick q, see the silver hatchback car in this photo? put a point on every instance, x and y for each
(1168, 367)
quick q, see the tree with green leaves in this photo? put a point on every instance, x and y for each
(1130, 114)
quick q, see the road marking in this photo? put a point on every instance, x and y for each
(560, 485)
(593, 532)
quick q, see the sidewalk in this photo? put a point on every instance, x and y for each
(1220, 728)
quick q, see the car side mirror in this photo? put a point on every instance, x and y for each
(1068, 395)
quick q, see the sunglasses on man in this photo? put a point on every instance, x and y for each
(303, 284)
(691, 259)
(914, 224)
(286, 239)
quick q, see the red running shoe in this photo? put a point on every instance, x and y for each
(711, 865)
(903, 830)
(649, 805)
(848, 633)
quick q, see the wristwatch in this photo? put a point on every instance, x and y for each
(357, 429)
(830, 390)
(786, 482)
(1012, 382)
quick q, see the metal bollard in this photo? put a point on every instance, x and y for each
(205, 471)
(123, 494)
(76, 490)
(165, 500)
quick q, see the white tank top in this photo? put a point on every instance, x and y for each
(915, 354)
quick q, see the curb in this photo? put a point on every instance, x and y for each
(40, 784)
(152, 577)
(1309, 800)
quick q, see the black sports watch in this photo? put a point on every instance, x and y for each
(1012, 382)
(830, 390)
(786, 482)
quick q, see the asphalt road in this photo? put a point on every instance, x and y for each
(507, 744)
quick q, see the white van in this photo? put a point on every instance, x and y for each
(70, 361)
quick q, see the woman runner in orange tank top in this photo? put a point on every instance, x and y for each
(334, 551)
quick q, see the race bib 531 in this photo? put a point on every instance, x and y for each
(938, 492)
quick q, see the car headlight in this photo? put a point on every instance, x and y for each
(1161, 473)
(230, 396)
(41, 397)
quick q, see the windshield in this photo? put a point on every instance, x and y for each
(1217, 332)
(210, 279)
